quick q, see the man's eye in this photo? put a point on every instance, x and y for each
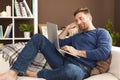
(76, 21)
(81, 18)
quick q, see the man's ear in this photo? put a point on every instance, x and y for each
(90, 18)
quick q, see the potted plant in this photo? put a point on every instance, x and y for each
(115, 35)
(26, 28)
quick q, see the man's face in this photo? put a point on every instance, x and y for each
(82, 20)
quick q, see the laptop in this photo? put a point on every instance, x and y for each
(53, 37)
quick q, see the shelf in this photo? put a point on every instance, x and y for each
(5, 17)
(6, 38)
(32, 19)
(21, 38)
(23, 17)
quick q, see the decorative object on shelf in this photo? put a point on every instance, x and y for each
(27, 34)
(26, 28)
(115, 35)
(3, 13)
(8, 10)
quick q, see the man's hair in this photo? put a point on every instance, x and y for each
(84, 10)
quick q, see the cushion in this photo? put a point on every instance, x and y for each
(38, 63)
(10, 52)
(104, 76)
(29, 78)
(4, 65)
(115, 63)
(102, 66)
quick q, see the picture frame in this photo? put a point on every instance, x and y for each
(43, 29)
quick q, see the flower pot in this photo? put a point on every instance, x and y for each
(26, 34)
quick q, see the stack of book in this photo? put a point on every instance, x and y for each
(22, 9)
(7, 31)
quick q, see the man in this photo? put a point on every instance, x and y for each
(89, 45)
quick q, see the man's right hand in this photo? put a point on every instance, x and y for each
(64, 33)
(71, 26)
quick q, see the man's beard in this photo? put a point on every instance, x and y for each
(82, 28)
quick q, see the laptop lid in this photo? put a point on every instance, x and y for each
(53, 34)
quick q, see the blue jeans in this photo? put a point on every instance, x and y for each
(63, 67)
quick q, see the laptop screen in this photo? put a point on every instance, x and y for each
(53, 34)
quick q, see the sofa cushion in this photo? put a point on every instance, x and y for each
(102, 66)
(4, 65)
(38, 63)
(10, 52)
(29, 78)
(115, 63)
(104, 76)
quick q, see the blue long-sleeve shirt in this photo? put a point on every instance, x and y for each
(97, 43)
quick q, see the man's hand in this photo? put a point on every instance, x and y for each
(64, 33)
(71, 26)
(70, 49)
(75, 52)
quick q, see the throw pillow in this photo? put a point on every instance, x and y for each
(10, 53)
(102, 66)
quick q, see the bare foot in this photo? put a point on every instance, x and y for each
(31, 74)
(9, 75)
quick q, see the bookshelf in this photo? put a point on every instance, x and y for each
(13, 18)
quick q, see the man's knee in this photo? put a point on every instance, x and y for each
(37, 37)
(73, 72)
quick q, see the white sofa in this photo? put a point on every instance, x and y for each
(112, 74)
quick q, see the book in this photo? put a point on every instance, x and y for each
(1, 31)
(29, 13)
(33, 7)
(17, 8)
(23, 10)
(6, 31)
(9, 31)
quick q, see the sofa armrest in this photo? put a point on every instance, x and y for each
(115, 65)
